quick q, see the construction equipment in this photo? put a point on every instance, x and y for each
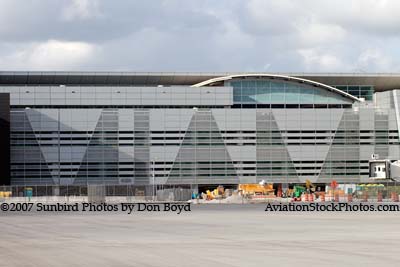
(256, 189)
(298, 190)
(310, 186)
(5, 194)
(217, 193)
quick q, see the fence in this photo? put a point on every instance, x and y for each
(97, 193)
(120, 193)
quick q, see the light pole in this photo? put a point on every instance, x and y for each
(153, 176)
(59, 151)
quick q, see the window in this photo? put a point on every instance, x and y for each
(264, 91)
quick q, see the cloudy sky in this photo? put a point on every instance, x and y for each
(194, 35)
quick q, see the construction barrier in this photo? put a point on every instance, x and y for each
(101, 193)
(365, 197)
(379, 198)
(394, 197)
(349, 198)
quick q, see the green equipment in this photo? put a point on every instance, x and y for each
(298, 190)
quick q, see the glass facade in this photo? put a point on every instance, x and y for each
(78, 135)
(279, 92)
(359, 91)
(115, 146)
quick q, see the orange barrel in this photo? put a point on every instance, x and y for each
(395, 197)
(336, 198)
(279, 193)
(379, 196)
(349, 198)
(322, 196)
(365, 196)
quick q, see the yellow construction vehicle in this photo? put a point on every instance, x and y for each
(310, 186)
(312, 189)
(256, 189)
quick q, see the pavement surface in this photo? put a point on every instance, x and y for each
(209, 235)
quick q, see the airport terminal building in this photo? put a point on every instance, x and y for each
(80, 128)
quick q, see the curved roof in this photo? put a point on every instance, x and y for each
(379, 81)
(279, 77)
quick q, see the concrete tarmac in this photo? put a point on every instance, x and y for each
(209, 235)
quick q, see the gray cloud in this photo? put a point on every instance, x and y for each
(225, 35)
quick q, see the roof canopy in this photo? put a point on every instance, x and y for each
(380, 81)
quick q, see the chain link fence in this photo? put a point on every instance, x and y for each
(96, 193)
